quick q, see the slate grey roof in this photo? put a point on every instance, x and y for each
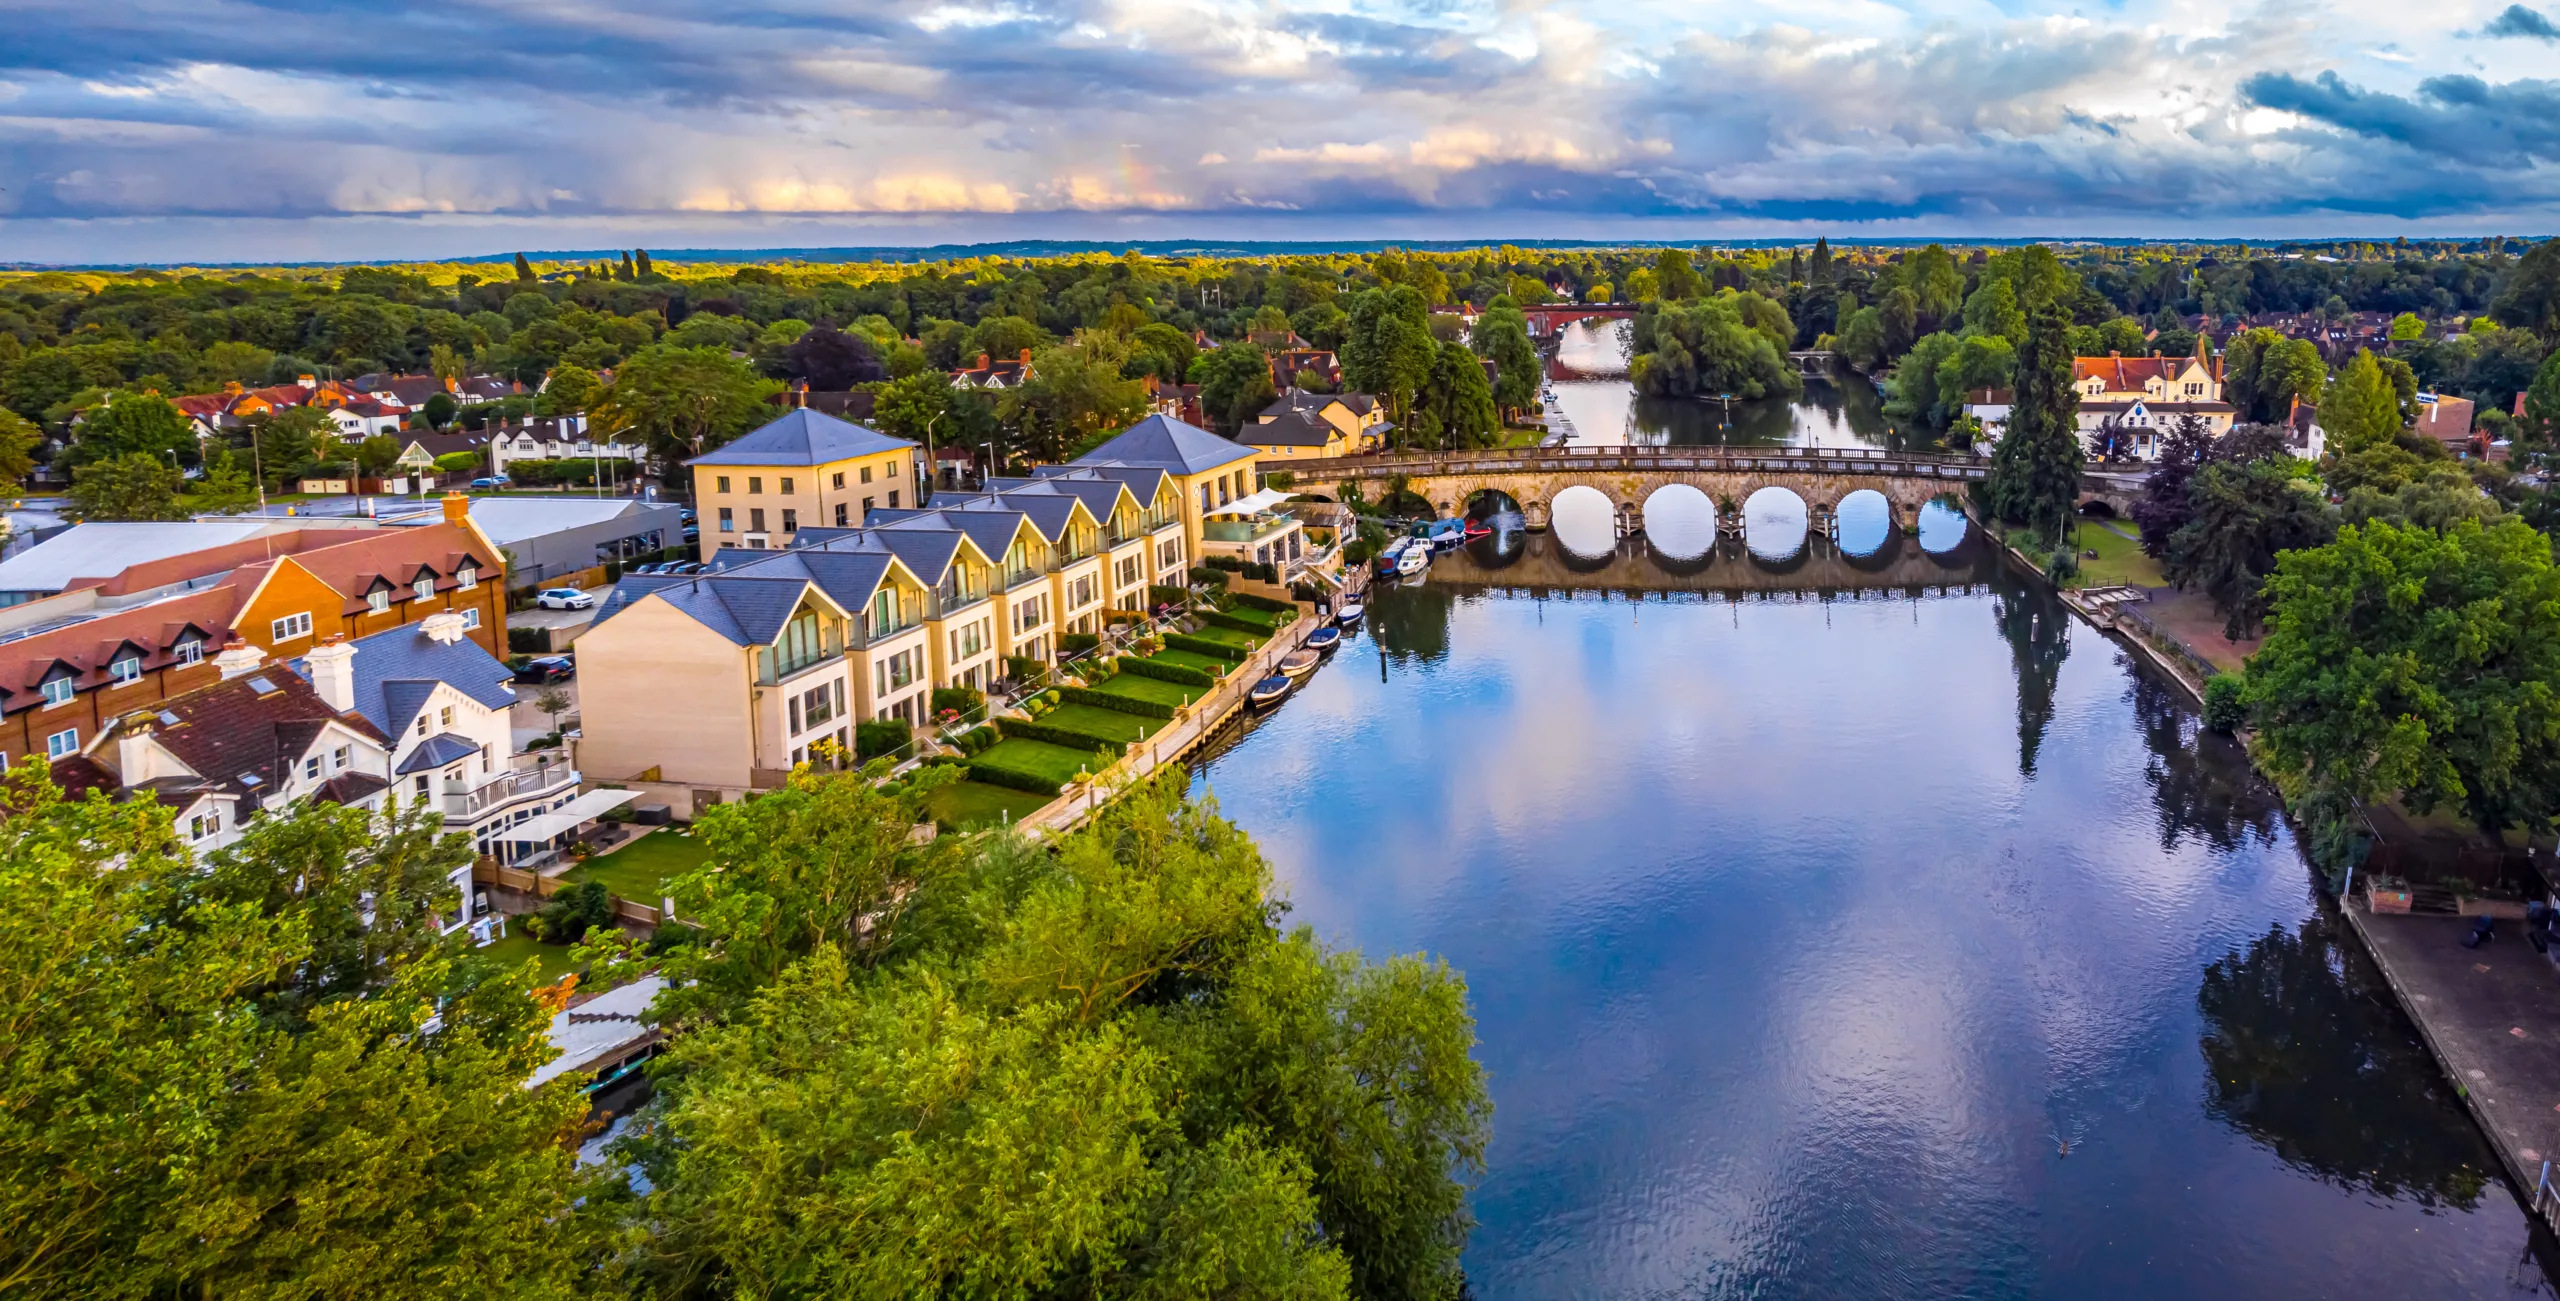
(749, 599)
(435, 752)
(1164, 443)
(1292, 429)
(1100, 496)
(803, 437)
(992, 530)
(396, 669)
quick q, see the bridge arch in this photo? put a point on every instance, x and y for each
(1776, 522)
(1680, 521)
(1584, 520)
(1863, 523)
(1491, 501)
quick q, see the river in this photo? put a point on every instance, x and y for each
(1588, 378)
(1860, 926)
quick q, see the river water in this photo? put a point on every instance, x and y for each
(1588, 379)
(1860, 926)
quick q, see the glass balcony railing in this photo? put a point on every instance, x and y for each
(1245, 530)
(1016, 575)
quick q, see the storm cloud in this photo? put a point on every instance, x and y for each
(795, 119)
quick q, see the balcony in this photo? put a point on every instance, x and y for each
(1017, 575)
(950, 601)
(464, 805)
(1246, 532)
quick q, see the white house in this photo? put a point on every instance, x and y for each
(562, 438)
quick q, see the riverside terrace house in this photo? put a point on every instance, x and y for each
(76, 661)
(1316, 424)
(964, 643)
(807, 469)
(701, 689)
(251, 736)
(1214, 483)
(1099, 535)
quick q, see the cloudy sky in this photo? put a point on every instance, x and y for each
(169, 130)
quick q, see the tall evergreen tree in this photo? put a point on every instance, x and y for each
(640, 257)
(1820, 272)
(2035, 472)
(524, 269)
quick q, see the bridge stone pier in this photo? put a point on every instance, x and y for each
(1629, 476)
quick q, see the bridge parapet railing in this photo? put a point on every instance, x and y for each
(1527, 460)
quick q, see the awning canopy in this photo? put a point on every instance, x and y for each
(541, 827)
(1253, 505)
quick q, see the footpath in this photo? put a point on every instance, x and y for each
(2490, 1016)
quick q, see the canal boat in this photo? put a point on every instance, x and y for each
(1391, 554)
(1300, 662)
(1441, 534)
(1324, 641)
(1271, 691)
(1415, 559)
(1348, 612)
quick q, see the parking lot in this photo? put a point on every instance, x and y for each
(561, 624)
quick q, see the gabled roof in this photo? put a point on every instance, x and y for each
(992, 531)
(244, 735)
(396, 670)
(1164, 443)
(748, 604)
(435, 752)
(803, 437)
(1100, 495)
(1298, 428)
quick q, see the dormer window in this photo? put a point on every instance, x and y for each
(58, 691)
(379, 602)
(188, 651)
(125, 670)
(466, 578)
(425, 588)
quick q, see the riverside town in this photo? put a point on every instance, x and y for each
(1825, 767)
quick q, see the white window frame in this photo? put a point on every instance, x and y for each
(119, 675)
(378, 602)
(466, 578)
(311, 768)
(424, 589)
(290, 627)
(62, 744)
(60, 691)
(188, 651)
(471, 616)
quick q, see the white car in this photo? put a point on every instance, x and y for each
(563, 598)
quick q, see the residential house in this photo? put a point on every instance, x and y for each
(73, 662)
(804, 469)
(1287, 364)
(1214, 482)
(1302, 424)
(2143, 398)
(556, 438)
(2447, 420)
(995, 373)
(363, 417)
(2303, 435)
(253, 737)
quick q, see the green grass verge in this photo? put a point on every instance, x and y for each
(640, 870)
(1215, 668)
(518, 946)
(969, 805)
(1228, 637)
(1104, 724)
(1054, 762)
(2120, 559)
(1162, 693)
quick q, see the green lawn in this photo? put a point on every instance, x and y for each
(1152, 689)
(1268, 619)
(1184, 659)
(1055, 762)
(518, 946)
(1228, 636)
(640, 870)
(968, 805)
(1107, 724)
(2120, 558)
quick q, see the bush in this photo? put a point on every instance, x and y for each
(1159, 594)
(458, 462)
(1113, 700)
(1359, 551)
(529, 641)
(1221, 619)
(976, 740)
(2224, 711)
(1260, 572)
(578, 908)
(878, 737)
(996, 774)
(1173, 673)
(1208, 577)
(1076, 642)
(1306, 592)
(1024, 669)
(2062, 567)
(962, 700)
(1107, 748)
(1228, 564)
(1216, 650)
(1252, 602)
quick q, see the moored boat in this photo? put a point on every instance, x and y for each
(1391, 554)
(1271, 691)
(1324, 641)
(1299, 663)
(1415, 559)
(1348, 612)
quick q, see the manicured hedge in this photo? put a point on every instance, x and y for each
(1174, 673)
(1216, 650)
(1242, 624)
(1070, 643)
(1125, 704)
(1253, 602)
(961, 700)
(1072, 740)
(1211, 577)
(1159, 594)
(1227, 563)
(879, 737)
(996, 774)
(976, 739)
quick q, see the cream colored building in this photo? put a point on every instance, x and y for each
(805, 470)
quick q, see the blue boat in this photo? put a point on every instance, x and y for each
(1441, 534)
(1325, 640)
(1271, 691)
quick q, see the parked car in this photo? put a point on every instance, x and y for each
(543, 669)
(692, 533)
(683, 567)
(563, 598)
(492, 481)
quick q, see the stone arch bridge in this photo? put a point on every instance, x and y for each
(1627, 476)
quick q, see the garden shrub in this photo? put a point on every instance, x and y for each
(1208, 577)
(961, 700)
(996, 774)
(529, 641)
(579, 907)
(1252, 602)
(1159, 594)
(1114, 700)
(1174, 673)
(1228, 563)
(1023, 668)
(878, 737)
(976, 740)
(1216, 650)
(2224, 710)
(1073, 642)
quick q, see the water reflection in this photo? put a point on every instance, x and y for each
(1774, 523)
(2307, 1054)
(1865, 520)
(1680, 521)
(2038, 631)
(2201, 781)
(1943, 526)
(1588, 380)
(1584, 520)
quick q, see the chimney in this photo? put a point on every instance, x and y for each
(133, 750)
(444, 627)
(331, 666)
(1026, 356)
(457, 508)
(238, 657)
(2113, 353)
(233, 389)
(983, 361)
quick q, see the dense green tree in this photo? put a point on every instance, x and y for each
(2412, 663)
(1502, 337)
(2441, 496)
(1076, 390)
(134, 486)
(1160, 350)
(2541, 424)
(2361, 409)
(1235, 384)
(1993, 310)
(1733, 343)
(683, 402)
(283, 444)
(2165, 506)
(572, 390)
(2530, 298)
(2243, 517)
(1003, 336)
(226, 488)
(1388, 350)
(1937, 289)
(1675, 278)
(19, 438)
(1913, 392)
(1455, 409)
(2035, 470)
(131, 423)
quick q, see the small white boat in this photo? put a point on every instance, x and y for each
(1414, 560)
(1271, 691)
(1324, 640)
(1299, 663)
(1348, 612)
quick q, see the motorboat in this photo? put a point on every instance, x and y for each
(1348, 612)
(1441, 534)
(1415, 559)
(1271, 691)
(1300, 662)
(1325, 640)
(1391, 554)
(1477, 528)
